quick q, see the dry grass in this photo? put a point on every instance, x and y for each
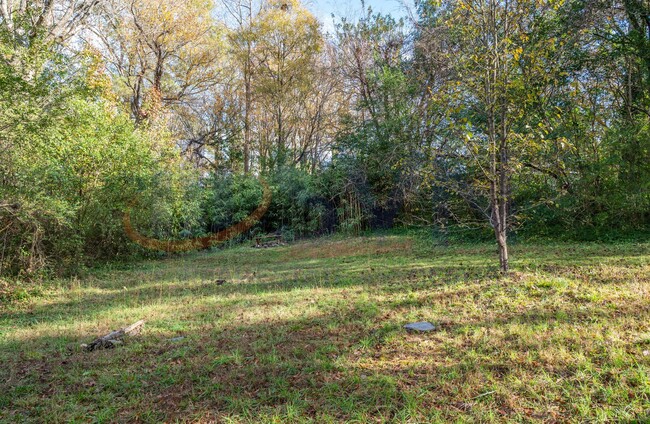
(313, 333)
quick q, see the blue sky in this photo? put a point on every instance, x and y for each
(352, 8)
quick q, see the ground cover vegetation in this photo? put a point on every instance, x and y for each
(312, 332)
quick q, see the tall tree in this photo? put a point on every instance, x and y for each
(242, 44)
(384, 135)
(289, 41)
(163, 53)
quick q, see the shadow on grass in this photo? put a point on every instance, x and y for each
(325, 363)
(307, 366)
(574, 314)
(153, 288)
(247, 370)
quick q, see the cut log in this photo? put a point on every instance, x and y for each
(114, 338)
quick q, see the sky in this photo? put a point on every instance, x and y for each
(323, 9)
(351, 9)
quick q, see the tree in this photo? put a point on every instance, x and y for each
(382, 134)
(289, 41)
(320, 111)
(493, 55)
(164, 54)
(45, 20)
(242, 43)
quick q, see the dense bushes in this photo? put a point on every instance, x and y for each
(299, 207)
(338, 199)
(70, 162)
(67, 185)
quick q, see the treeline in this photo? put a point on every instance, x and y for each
(521, 117)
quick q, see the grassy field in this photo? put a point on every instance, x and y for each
(312, 332)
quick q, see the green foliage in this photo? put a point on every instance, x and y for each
(229, 199)
(376, 158)
(299, 206)
(607, 197)
(71, 162)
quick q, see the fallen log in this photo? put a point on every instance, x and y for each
(114, 338)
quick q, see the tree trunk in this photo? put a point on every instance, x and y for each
(247, 113)
(280, 159)
(500, 225)
(503, 249)
(247, 127)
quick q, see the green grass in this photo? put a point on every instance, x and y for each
(313, 333)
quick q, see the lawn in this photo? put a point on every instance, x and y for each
(312, 332)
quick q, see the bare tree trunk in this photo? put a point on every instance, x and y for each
(248, 70)
(502, 241)
(497, 115)
(247, 123)
(280, 137)
(503, 254)
(499, 207)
